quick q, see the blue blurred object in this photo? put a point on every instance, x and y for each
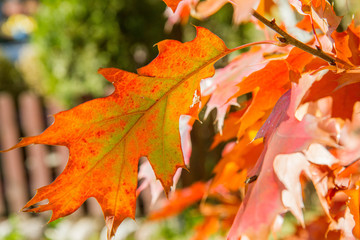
(12, 49)
(15, 29)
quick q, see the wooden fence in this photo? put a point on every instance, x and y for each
(24, 170)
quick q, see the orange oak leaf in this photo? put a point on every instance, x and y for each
(107, 136)
(222, 86)
(269, 84)
(306, 24)
(347, 44)
(344, 96)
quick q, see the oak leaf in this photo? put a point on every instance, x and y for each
(107, 136)
(347, 44)
(248, 72)
(343, 88)
(222, 86)
(269, 84)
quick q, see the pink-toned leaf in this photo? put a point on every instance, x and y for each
(290, 136)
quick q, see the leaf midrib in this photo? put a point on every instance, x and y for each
(143, 112)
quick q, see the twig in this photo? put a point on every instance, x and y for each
(287, 39)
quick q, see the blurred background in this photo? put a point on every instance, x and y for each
(50, 52)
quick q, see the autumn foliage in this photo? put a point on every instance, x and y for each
(298, 125)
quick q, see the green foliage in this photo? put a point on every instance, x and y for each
(12, 232)
(75, 37)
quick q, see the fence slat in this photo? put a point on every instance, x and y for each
(12, 162)
(39, 158)
(31, 118)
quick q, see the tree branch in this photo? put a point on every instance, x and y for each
(287, 39)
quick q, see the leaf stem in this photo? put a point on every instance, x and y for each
(287, 39)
